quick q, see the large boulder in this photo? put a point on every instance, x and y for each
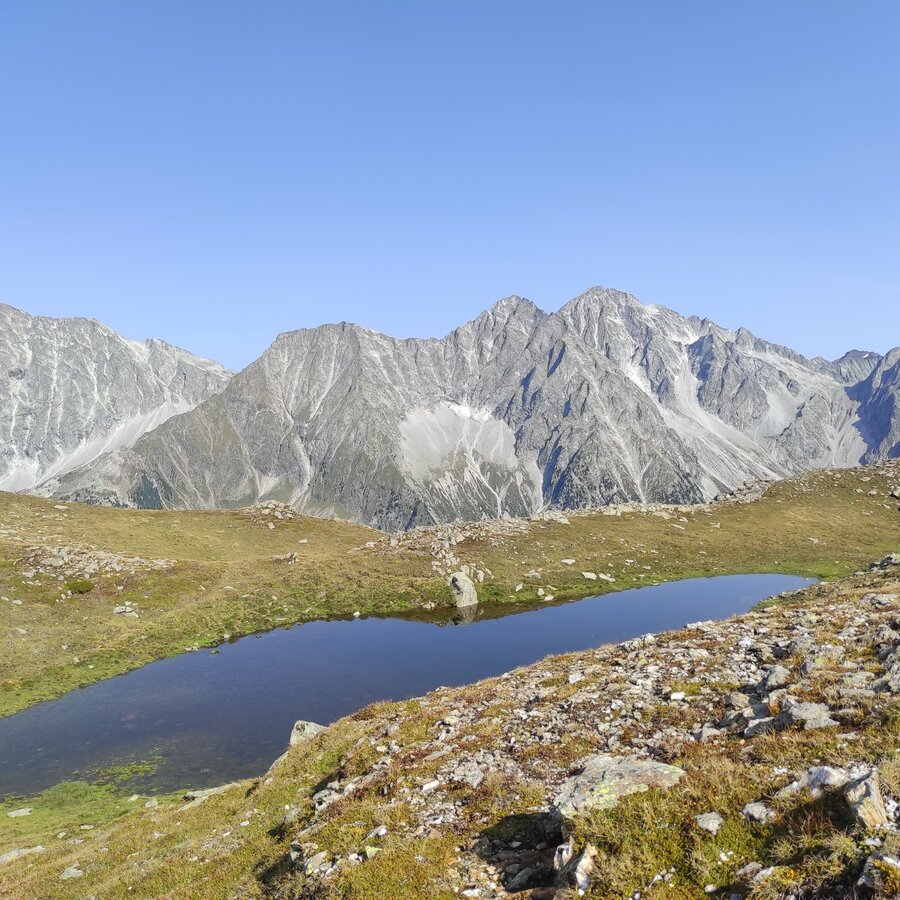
(605, 780)
(463, 589)
(304, 731)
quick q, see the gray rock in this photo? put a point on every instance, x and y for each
(71, 872)
(605, 780)
(520, 881)
(865, 800)
(194, 798)
(758, 812)
(11, 855)
(776, 677)
(304, 731)
(710, 822)
(879, 868)
(18, 813)
(806, 715)
(463, 589)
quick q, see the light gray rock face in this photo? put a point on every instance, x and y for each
(72, 389)
(606, 400)
(879, 414)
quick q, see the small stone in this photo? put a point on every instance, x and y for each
(758, 812)
(710, 822)
(71, 872)
(879, 868)
(18, 813)
(315, 862)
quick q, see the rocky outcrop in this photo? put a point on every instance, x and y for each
(606, 401)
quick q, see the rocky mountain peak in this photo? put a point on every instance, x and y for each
(72, 390)
(606, 400)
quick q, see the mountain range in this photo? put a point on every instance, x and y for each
(607, 400)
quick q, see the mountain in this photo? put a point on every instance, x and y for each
(606, 400)
(73, 389)
(879, 398)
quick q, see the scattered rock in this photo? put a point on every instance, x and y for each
(605, 779)
(710, 822)
(10, 855)
(758, 812)
(776, 677)
(879, 870)
(196, 797)
(806, 715)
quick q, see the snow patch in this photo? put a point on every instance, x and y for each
(453, 445)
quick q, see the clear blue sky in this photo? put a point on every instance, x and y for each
(215, 172)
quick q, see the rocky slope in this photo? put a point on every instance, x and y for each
(753, 758)
(72, 390)
(605, 401)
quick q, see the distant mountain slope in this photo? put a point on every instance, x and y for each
(606, 400)
(73, 389)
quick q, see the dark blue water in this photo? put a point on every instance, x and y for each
(208, 718)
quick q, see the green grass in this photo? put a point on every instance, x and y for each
(66, 807)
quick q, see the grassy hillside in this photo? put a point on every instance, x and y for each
(221, 577)
(454, 792)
